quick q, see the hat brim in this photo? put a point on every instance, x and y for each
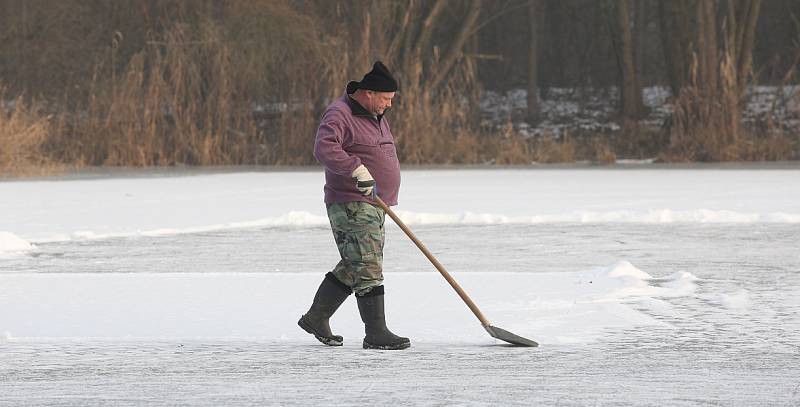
(353, 86)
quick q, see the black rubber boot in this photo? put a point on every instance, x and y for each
(330, 295)
(370, 306)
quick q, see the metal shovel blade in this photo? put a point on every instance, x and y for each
(494, 331)
(504, 335)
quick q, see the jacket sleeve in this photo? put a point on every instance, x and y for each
(329, 145)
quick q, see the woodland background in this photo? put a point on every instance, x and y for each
(243, 82)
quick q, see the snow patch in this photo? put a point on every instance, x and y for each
(620, 280)
(679, 284)
(572, 307)
(12, 245)
(781, 217)
(626, 269)
(593, 110)
(735, 301)
(624, 281)
(739, 300)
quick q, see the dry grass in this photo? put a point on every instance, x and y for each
(200, 89)
(190, 96)
(708, 126)
(23, 132)
(173, 104)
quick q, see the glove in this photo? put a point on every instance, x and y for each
(364, 180)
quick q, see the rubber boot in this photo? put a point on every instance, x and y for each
(370, 306)
(330, 295)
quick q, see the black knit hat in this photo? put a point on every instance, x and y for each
(378, 79)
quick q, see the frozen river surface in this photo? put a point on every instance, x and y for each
(628, 312)
(734, 341)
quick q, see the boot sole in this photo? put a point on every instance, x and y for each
(327, 340)
(395, 346)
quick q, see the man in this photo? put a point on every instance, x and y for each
(357, 149)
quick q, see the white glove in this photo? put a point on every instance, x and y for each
(364, 180)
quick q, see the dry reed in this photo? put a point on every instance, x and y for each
(248, 87)
(707, 125)
(23, 132)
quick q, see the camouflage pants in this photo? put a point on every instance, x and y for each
(358, 231)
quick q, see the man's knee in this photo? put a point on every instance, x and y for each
(360, 276)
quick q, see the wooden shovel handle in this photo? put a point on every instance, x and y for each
(445, 274)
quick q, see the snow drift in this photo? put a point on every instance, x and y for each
(43, 211)
(11, 245)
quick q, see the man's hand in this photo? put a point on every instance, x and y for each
(364, 180)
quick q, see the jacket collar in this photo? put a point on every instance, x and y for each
(359, 110)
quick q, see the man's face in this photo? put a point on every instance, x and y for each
(379, 102)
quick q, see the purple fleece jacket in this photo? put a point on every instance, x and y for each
(347, 137)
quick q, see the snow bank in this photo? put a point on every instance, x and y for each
(650, 216)
(623, 280)
(11, 245)
(306, 219)
(44, 211)
(552, 308)
(625, 269)
(293, 218)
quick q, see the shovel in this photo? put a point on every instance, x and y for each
(494, 331)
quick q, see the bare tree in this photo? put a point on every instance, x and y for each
(741, 23)
(630, 89)
(691, 44)
(640, 45)
(707, 50)
(675, 23)
(709, 104)
(536, 11)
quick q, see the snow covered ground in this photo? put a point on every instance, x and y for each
(594, 110)
(643, 286)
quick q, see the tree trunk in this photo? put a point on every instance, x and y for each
(631, 94)
(556, 21)
(707, 48)
(742, 23)
(640, 40)
(363, 53)
(535, 18)
(674, 20)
